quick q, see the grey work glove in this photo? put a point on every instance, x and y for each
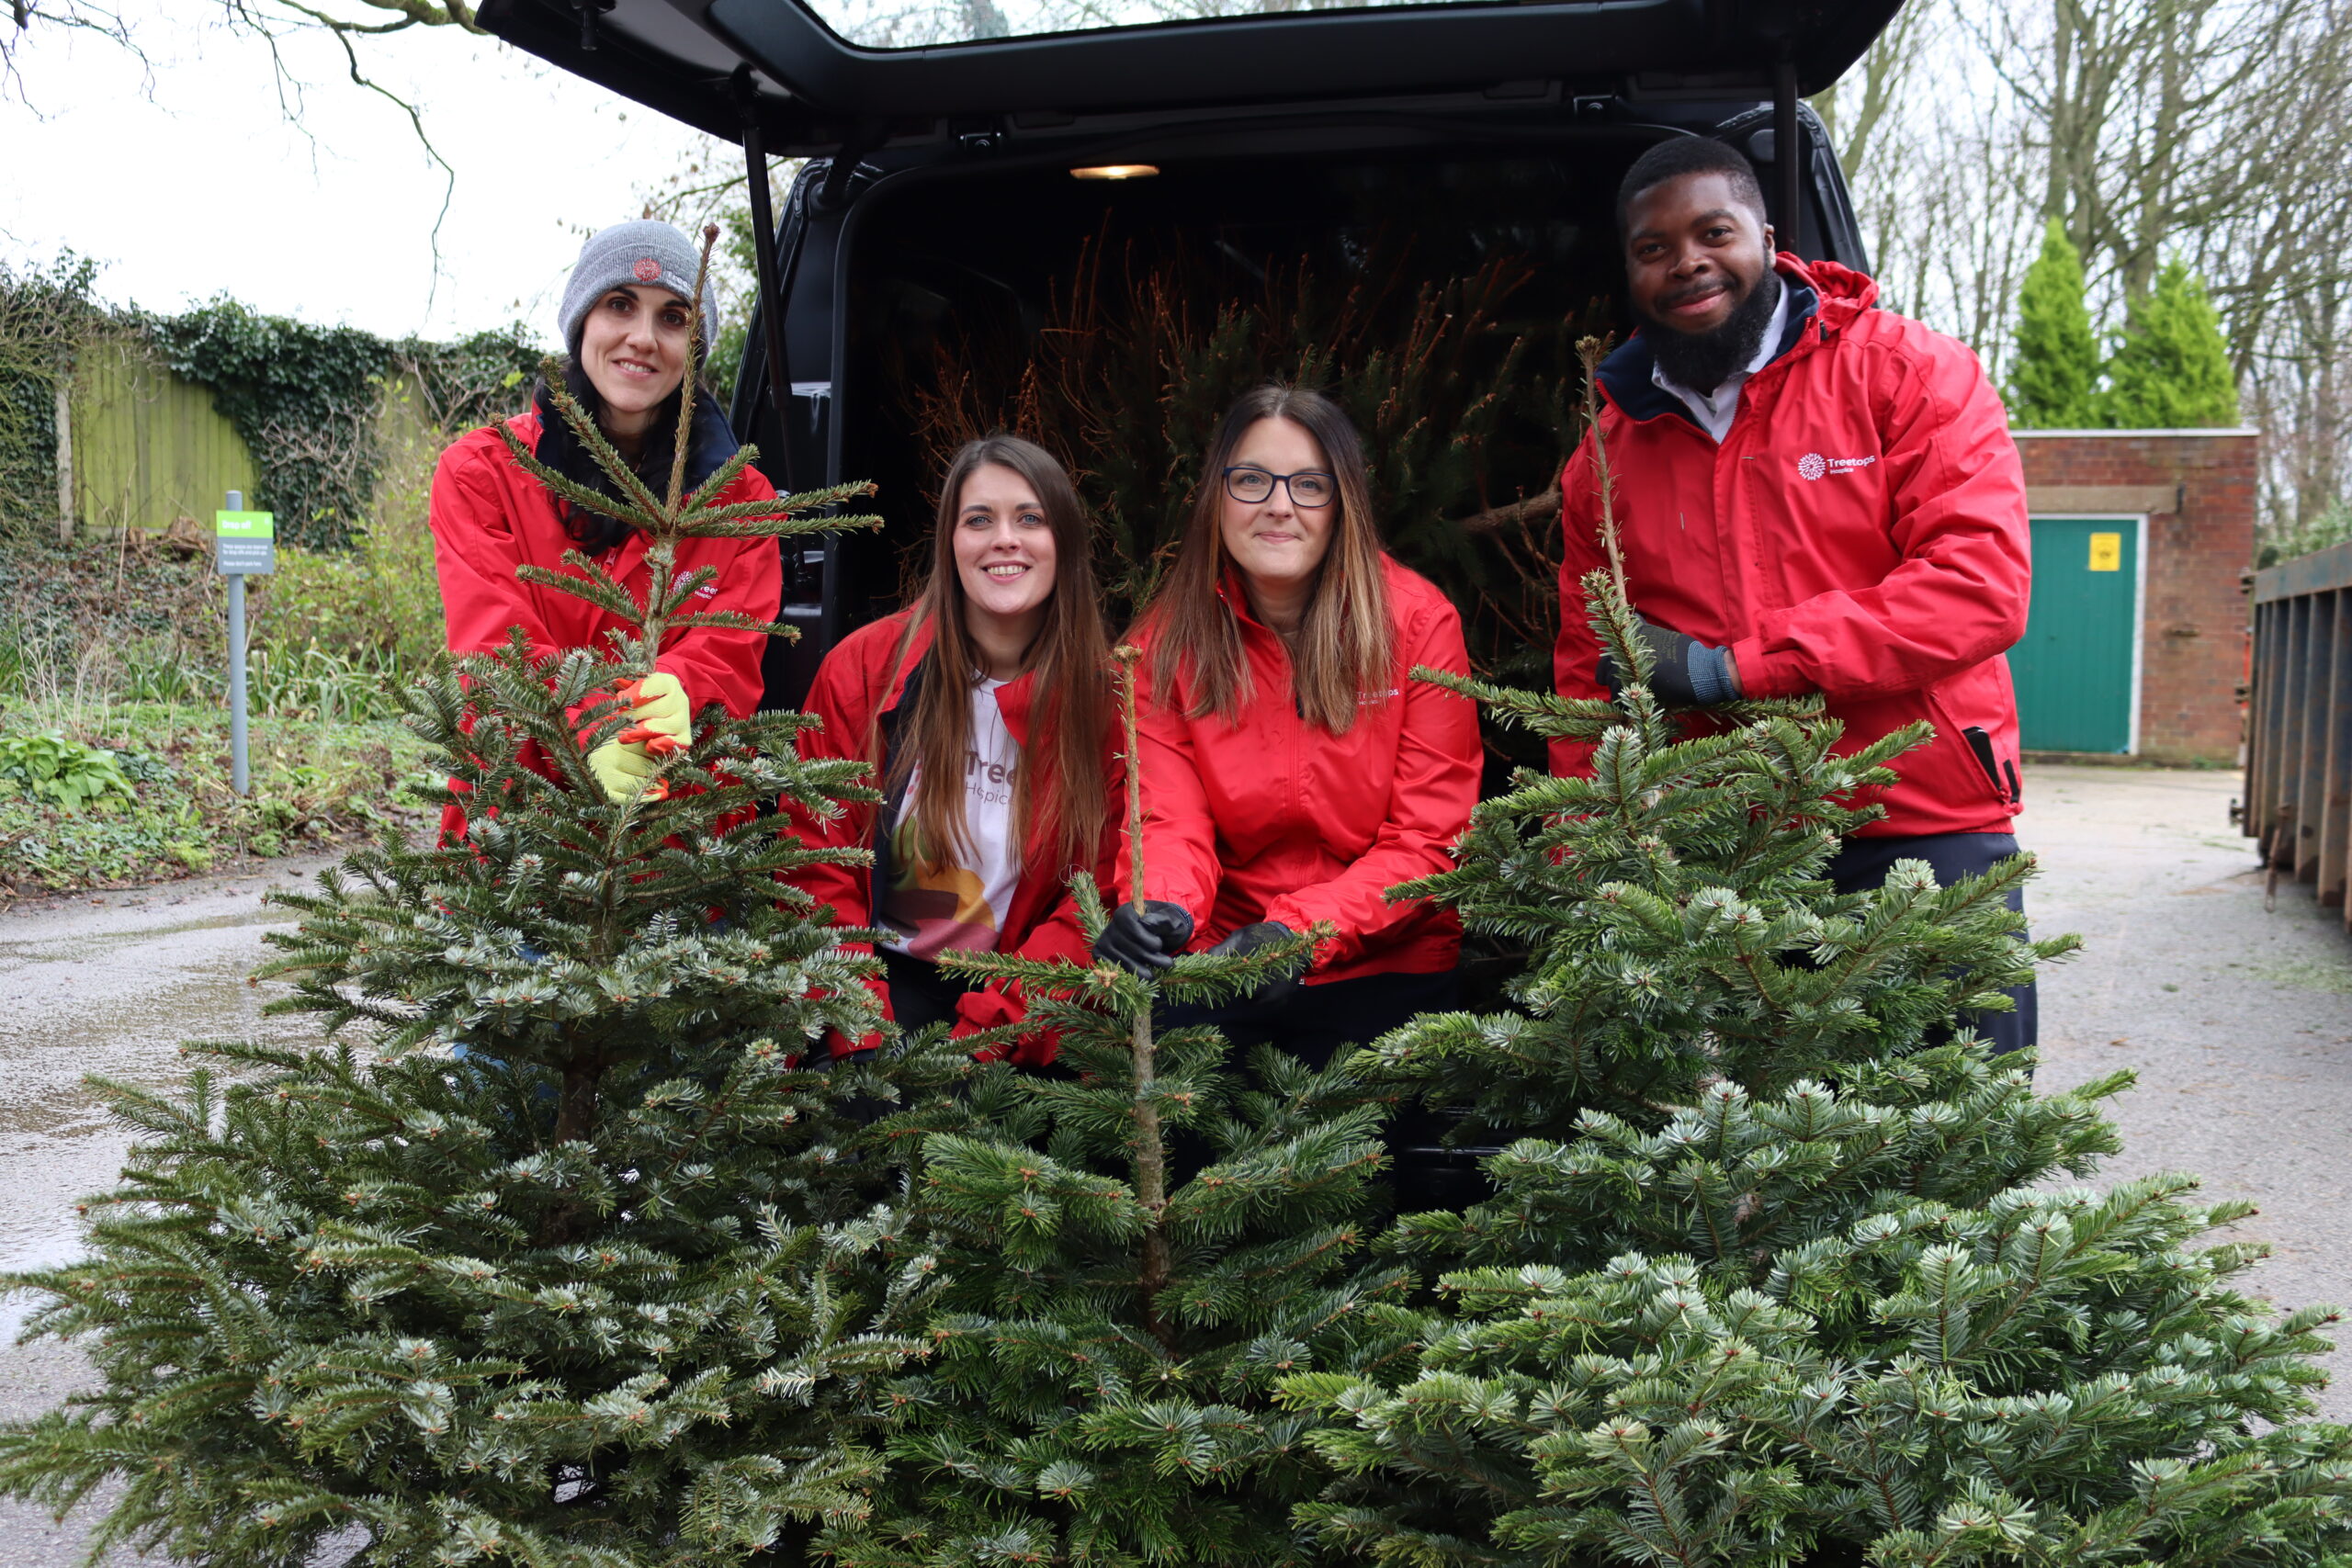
(1144, 942)
(1250, 939)
(1687, 673)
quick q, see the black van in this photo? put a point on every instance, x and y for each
(959, 173)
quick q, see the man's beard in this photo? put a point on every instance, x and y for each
(1702, 361)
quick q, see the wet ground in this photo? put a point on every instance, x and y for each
(107, 984)
(2238, 1022)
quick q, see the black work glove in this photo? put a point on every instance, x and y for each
(1687, 674)
(1145, 941)
(1250, 939)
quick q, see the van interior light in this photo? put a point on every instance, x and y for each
(1116, 171)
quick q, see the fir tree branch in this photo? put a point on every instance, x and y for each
(570, 490)
(697, 342)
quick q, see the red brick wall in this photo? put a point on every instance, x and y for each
(2193, 631)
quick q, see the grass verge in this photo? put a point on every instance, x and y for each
(316, 783)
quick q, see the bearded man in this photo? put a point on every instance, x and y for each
(1813, 495)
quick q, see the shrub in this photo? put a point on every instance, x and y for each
(2054, 381)
(2171, 370)
(65, 772)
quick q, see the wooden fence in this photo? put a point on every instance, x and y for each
(147, 446)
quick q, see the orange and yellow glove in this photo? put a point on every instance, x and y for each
(663, 724)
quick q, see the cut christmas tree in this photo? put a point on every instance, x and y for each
(1788, 1269)
(573, 1256)
(1134, 1252)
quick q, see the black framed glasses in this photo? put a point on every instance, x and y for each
(1308, 487)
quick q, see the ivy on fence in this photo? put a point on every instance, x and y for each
(46, 314)
(304, 398)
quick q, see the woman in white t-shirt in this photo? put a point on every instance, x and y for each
(982, 709)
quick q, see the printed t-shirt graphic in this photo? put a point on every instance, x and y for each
(960, 905)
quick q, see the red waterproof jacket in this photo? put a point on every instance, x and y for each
(489, 516)
(1860, 532)
(862, 684)
(1268, 816)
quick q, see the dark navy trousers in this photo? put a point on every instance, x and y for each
(1862, 864)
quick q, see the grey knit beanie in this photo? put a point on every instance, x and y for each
(644, 250)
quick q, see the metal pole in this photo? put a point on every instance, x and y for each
(240, 778)
(1788, 151)
(764, 258)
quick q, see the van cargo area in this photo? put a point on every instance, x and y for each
(960, 293)
(963, 280)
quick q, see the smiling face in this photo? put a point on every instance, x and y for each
(633, 347)
(1277, 543)
(1004, 556)
(1695, 248)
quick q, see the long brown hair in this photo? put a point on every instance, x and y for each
(1059, 786)
(1345, 644)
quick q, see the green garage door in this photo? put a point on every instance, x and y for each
(2072, 668)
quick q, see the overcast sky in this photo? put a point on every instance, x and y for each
(194, 182)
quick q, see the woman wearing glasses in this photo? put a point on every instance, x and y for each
(1293, 772)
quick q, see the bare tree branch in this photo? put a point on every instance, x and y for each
(273, 22)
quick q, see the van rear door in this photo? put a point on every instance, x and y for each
(826, 74)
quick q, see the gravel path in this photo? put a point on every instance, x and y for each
(2238, 1022)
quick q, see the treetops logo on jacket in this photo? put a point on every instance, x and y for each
(1813, 465)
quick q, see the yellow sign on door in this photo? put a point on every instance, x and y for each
(2107, 552)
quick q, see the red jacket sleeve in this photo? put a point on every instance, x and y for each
(714, 664)
(1435, 786)
(1957, 503)
(1179, 833)
(475, 552)
(1575, 657)
(841, 698)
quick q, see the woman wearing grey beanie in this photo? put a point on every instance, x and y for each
(629, 326)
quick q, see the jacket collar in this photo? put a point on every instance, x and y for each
(911, 664)
(1824, 297)
(710, 444)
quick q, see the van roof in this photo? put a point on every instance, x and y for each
(818, 73)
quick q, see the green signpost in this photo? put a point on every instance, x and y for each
(244, 544)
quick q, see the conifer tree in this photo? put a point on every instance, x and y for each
(608, 1287)
(2053, 385)
(1131, 1254)
(2171, 370)
(1789, 1272)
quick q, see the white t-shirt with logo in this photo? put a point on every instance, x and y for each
(959, 906)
